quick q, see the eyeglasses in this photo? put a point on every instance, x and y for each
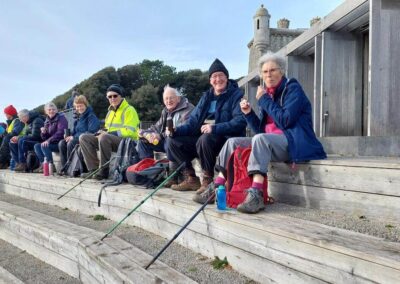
(215, 76)
(273, 70)
(112, 97)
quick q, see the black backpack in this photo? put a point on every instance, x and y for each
(75, 164)
(148, 173)
(32, 161)
(126, 156)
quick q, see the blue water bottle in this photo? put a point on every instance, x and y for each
(221, 197)
(12, 164)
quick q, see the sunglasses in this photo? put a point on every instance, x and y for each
(112, 97)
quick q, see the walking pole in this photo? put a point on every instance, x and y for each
(88, 177)
(143, 201)
(181, 230)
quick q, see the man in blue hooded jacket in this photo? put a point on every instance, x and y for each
(216, 118)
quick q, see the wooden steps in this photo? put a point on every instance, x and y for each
(78, 250)
(364, 186)
(265, 247)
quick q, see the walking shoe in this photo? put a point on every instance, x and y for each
(207, 179)
(171, 182)
(253, 203)
(20, 167)
(203, 196)
(100, 175)
(39, 170)
(4, 166)
(191, 183)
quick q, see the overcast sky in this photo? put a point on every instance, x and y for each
(47, 46)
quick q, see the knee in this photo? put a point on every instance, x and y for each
(204, 140)
(261, 138)
(38, 147)
(84, 138)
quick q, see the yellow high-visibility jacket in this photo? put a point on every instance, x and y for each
(124, 121)
(10, 128)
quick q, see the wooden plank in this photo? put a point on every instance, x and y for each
(361, 179)
(352, 202)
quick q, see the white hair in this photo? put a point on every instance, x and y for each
(50, 105)
(169, 88)
(274, 57)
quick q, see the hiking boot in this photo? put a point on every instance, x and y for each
(207, 179)
(171, 182)
(253, 203)
(39, 170)
(205, 195)
(4, 166)
(100, 175)
(191, 183)
(20, 167)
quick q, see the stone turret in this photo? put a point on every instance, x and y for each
(261, 29)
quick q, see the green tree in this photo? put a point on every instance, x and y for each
(192, 83)
(146, 102)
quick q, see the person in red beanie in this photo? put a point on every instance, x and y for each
(14, 128)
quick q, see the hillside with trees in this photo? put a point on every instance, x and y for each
(143, 83)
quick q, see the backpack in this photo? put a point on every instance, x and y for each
(75, 164)
(148, 173)
(238, 180)
(32, 161)
(126, 156)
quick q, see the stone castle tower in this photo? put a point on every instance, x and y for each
(268, 39)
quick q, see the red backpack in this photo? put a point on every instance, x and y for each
(238, 180)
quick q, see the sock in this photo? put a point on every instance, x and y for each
(257, 185)
(219, 181)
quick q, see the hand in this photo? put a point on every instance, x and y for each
(100, 132)
(245, 106)
(43, 130)
(69, 138)
(14, 139)
(167, 132)
(260, 92)
(206, 128)
(45, 144)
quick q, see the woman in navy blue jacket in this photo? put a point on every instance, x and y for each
(284, 131)
(86, 122)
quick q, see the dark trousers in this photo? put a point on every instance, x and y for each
(65, 150)
(45, 151)
(146, 149)
(186, 148)
(5, 150)
(19, 149)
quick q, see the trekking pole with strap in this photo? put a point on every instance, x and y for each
(181, 230)
(86, 178)
(143, 201)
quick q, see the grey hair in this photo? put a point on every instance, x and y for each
(50, 105)
(274, 57)
(176, 91)
(22, 113)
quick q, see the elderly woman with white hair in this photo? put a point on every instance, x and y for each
(52, 132)
(284, 131)
(177, 108)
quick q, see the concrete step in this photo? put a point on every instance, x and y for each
(265, 247)
(366, 186)
(8, 278)
(78, 250)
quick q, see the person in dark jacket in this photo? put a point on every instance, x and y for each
(14, 128)
(51, 133)
(86, 122)
(284, 131)
(216, 117)
(177, 109)
(69, 104)
(19, 146)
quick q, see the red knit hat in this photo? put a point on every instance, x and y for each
(10, 110)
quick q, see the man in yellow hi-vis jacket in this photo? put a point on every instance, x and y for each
(122, 121)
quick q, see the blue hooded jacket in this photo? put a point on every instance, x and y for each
(229, 119)
(87, 122)
(291, 111)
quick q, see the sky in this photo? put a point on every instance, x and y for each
(47, 46)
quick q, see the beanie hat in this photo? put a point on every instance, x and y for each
(10, 110)
(117, 89)
(217, 66)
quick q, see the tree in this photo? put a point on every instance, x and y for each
(146, 102)
(193, 83)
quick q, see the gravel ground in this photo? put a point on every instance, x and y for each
(29, 269)
(194, 265)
